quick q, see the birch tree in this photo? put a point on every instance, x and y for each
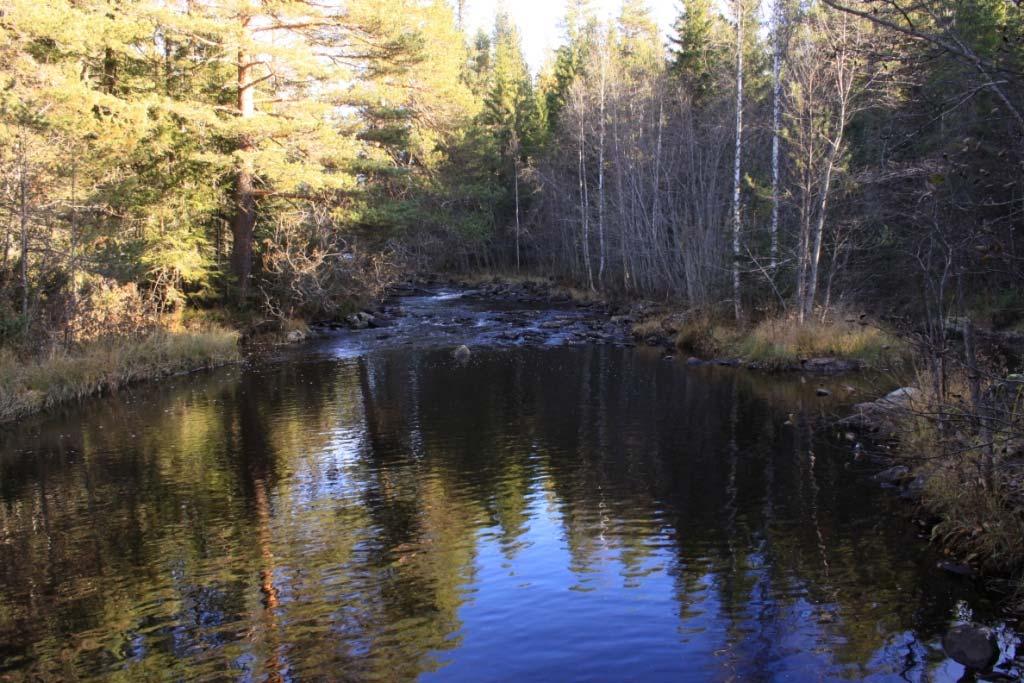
(737, 224)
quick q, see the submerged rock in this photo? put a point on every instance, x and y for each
(913, 490)
(956, 568)
(462, 353)
(972, 645)
(822, 391)
(893, 475)
(830, 365)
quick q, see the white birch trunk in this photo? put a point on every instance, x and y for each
(737, 165)
(776, 129)
(600, 168)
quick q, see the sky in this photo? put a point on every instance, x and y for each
(540, 20)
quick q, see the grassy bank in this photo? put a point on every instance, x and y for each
(31, 385)
(969, 461)
(549, 285)
(775, 343)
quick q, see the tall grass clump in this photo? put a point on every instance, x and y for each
(785, 340)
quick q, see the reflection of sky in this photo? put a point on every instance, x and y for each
(330, 474)
(551, 618)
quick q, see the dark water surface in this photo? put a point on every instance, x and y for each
(357, 510)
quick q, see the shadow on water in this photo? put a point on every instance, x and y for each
(586, 513)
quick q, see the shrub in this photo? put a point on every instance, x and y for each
(106, 308)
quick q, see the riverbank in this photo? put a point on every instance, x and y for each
(964, 469)
(30, 385)
(843, 343)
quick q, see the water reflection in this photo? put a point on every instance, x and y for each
(561, 514)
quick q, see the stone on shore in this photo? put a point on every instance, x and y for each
(972, 645)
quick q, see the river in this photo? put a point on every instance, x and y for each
(364, 506)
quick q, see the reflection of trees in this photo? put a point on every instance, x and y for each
(327, 516)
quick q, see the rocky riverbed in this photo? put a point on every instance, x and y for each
(535, 312)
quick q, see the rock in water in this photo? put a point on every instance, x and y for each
(972, 645)
(462, 353)
(822, 391)
(893, 475)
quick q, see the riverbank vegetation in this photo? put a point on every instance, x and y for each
(42, 382)
(960, 454)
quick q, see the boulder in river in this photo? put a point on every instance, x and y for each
(972, 645)
(360, 320)
(881, 417)
(462, 353)
(957, 568)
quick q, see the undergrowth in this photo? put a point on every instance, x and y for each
(972, 467)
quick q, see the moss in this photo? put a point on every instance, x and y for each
(38, 384)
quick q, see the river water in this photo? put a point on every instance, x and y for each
(365, 507)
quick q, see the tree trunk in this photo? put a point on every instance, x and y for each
(73, 261)
(600, 174)
(244, 221)
(585, 201)
(819, 231)
(515, 180)
(23, 215)
(737, 166)
(776, 127)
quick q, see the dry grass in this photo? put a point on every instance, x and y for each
(575, 294)
(648, 326)
(973, 483)
(707, 337)
(38, 384)
(785, 340)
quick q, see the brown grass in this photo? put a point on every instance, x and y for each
(783, 342)
(28, 386)
(974, 484)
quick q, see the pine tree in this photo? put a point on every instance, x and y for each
(570, 58)
(700, 52)
(511, 113)
(637, 39)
